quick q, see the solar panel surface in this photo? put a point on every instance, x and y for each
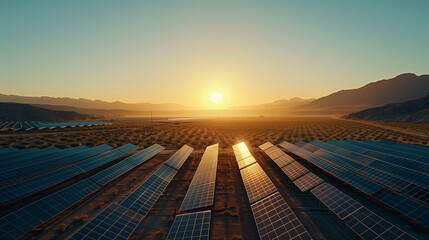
(258, 185)
(307, 181)
(276, 220)
(191, 226)
(294, 170)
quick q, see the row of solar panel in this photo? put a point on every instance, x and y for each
(365, 223)
(25, 219)
(357, 163)
(27, 187)
(408, 205)
(338, 166)
(39, 164)
(118, 221)
(273, 217)
(196, 225)
(17, 125)
(201, 190)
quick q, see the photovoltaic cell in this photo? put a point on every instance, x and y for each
(341, 204)
(276, 220)
(114, 222)
(176, 161)
(413, 209)
(127, 164)
(202, 187)
(191, 226)
(294, 170)
(265, 146)
(369, 226)
(277, 155)
(22, 221)
(258, 185)
(246, 162)
(307, 181)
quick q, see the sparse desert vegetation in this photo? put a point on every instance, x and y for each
(226, 131)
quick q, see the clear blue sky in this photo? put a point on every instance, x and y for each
(181, 51)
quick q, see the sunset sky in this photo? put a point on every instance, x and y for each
(182, 51)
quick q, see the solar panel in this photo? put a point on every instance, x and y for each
(24, 188)
(265, 146)
(41, 165)
(258, 185)
(369, 226)
(118, 222)
(22, 221)
(410, 208)
(125, 165)
(114, 222)
(338, 202)
(202, 187)
(246, 162)
(294, 170)
(276, 220)
(282, 160)
(176, 161)
(307, 181)
(191, 226)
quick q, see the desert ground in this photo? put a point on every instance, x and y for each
(225, 131)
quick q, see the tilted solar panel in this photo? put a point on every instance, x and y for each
(125, 165)
(191, 226)
(22, 221)
(246, 162)
(307, 181)
(294, 170)
(176, 161)
(202, 187)
(341, 204)
(258, 185)
(369, 226)
(265, 146)
(114, 222)
(276, 220)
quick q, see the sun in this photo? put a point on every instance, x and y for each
(216, 97)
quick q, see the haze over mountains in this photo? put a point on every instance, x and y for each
(401, 88)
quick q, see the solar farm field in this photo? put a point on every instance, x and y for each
(216, 179)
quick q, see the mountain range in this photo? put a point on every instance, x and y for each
(25, 112)
(410, 111)
(404, 87)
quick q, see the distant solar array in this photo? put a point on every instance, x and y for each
(273, 217)
(15, 126)
(118, 221)
(362, 221)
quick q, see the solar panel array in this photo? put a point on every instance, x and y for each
(201, 190)
(273, 217)
(127, 164)
(364, 222)
(300, 175)
(353, 161)
(119, 221)
(15, 126)
(352, 171)
(22, 221)
(24, 188)
(38, 165)
(191, 226)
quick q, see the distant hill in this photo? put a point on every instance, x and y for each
(277, 108)
(411, 111)
(401, 88)
(93, 104)
(25, 112)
